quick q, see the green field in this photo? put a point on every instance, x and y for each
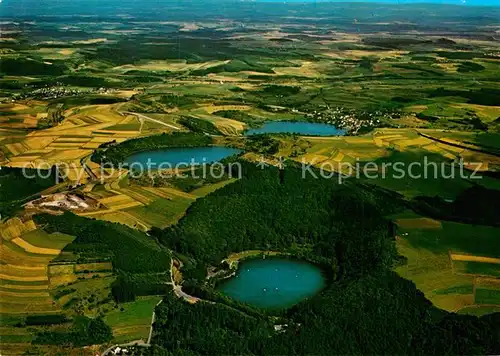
(408, 83)
(133, 320)
(448, 285)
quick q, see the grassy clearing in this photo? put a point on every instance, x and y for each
(477, 268)
(209, 188)
(235, 257)
(168, 65)
(134, 321)
(161, 212)
(87, 295)
(460, 238)
(488, 296)
(94, 267)
(418, 223)
(42, 239)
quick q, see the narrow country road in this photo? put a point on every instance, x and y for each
(144, 117)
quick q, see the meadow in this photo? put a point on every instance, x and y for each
(440, 256)
(404, 86)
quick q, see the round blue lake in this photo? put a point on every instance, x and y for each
(273, 283)
(298, 127)
(185, 155)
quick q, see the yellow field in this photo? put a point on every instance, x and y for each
(16, 271)
(419, 223)
(25, 273)
(173, 66)
(14, 227)
(33, 249)
(471, 258)
(485, 113)
(73, 139)
(306, 69)
(226, 126)
(98, 266)
(213, 108)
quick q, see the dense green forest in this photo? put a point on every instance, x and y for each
(96, 239)
(84, 331)
(116, 154)
(280, 210)
(16, 185)
(476, 205)
(379, 313)
(366, 309)
(199, 125)
(142, 265)
(188, 183)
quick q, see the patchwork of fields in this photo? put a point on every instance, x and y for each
(404, 92)
(82, 131)
(34, 282)
(26, 280)
(456, 265)
(383, 148)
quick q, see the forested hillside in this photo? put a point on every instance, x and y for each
(366, 309)
(282, 211)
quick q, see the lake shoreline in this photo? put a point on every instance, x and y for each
(204, 151)
(300, 128)
(277, 282)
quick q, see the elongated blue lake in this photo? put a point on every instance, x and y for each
(273, 283)
(298, 127)
(180, 156)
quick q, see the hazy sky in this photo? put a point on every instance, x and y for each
(465, 2)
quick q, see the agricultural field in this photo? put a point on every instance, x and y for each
(133, 320)
(26, 284)
(82, 131)
(455, 265)
(144, 207)
(384, 147)
(416, 85)
(39, 278)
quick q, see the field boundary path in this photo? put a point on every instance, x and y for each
(472, 258)
(458, 145)
(144, 117)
